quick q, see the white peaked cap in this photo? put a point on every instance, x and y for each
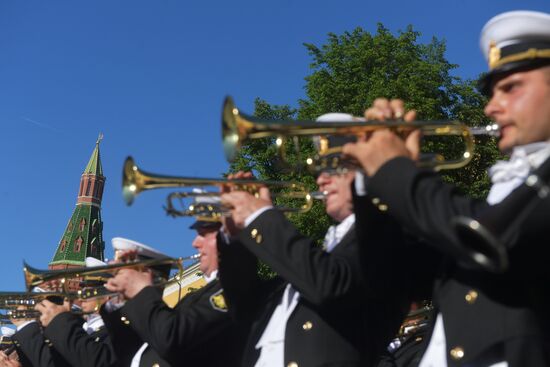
(337, 117)
(124, 244)
(92, 262)
(514, 27)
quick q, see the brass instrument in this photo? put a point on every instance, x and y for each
(238, 127)
(36, 277)
(12, 300)
(135, 181)
(20, 305)
(9, 315)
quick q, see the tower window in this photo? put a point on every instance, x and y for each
(63, 245)
(88, 186)
(82, 224)
(93, 246)
(78, 244)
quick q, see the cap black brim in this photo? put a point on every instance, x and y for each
(485, 83)
(205, 224)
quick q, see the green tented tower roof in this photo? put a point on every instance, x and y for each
(94, 165)
(83, 235)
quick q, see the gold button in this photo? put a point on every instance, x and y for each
(418, 339)
(382, 207)
(376, 201)
(259, 239)
(307, 325)
(253, 233)
(123, 319)
(155, 365)
(127, 322)
(471, 297)
(457, 353)
(292, 364)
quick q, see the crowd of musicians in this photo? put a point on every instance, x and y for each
(393, 283)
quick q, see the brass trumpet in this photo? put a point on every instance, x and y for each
(238, 127)
(20, 305)
(135, 181)
(101, 274)
(6, 318)
(9, 300)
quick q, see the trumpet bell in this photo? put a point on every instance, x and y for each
(129, 181)
(231, 136)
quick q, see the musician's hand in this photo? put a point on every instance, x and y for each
(130, 282)
(228, 224)
(383, 109)
(49, 310)
(395, 109)
(244, 204)
(384, 145)
(11, 360)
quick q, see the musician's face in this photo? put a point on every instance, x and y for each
(205, 243)
(338, 200)
(89, 305)
(520, 105)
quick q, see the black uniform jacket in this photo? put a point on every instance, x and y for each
(126, 342)
(197, 332)
(76, 346)
(487, 317)
(35, 350)
(337, 321)
(63, 343)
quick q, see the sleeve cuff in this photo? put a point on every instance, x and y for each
(360, 184)
(255, 215)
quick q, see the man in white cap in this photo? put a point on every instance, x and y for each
(319, 310)
(484, 319)
(130, 348)
(198, 330)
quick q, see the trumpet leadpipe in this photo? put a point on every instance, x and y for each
(489, 130)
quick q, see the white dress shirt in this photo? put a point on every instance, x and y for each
(93, 323)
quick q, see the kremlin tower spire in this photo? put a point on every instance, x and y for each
(83, 235)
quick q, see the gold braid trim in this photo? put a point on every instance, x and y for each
(531, 53)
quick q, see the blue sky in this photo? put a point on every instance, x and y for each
(151, 76)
